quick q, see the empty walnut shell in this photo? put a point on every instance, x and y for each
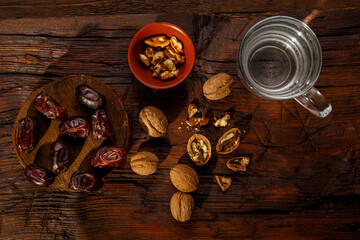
(218, 86)
(238, 164)
(184, 178)
(153, 121)
(199, 149)
(229, 141)
(144, 163)
(182, 206)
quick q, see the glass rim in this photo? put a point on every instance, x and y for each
(252, 30)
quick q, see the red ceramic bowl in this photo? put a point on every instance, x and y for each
(137, 46)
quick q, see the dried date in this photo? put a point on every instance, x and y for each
(28, 134)
(89, 97)
(101, 125)
(38, 175)
(109, 157)
(49, 107)
(60, 156)
(84, 181)
(75, 127)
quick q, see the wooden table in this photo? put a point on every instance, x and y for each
(303, 181)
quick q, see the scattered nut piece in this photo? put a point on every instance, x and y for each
(192, 110)
(238, 164)
(229, 141)
(184, 178)
(199, 149)
(182, 206)
(223, 121)
(224, 182)
(192, 121)
(218, 86)
(153, 121)
(204, 121)
(144, 163)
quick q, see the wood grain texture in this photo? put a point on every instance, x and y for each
(303, 178)
(60, 8)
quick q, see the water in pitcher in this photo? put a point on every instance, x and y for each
(279, 60)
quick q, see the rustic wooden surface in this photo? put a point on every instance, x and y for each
(303, 181)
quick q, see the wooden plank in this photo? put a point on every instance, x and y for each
(43, 8)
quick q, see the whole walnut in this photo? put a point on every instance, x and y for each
(144, 163)
(184, 178)
(218, 86)
(182, 206)
(153, 121)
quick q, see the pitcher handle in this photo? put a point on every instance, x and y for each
(315, 102)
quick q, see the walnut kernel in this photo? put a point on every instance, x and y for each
(199, 149)
(223, 120)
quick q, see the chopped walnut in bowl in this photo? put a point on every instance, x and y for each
(163, 56)
(159, 38)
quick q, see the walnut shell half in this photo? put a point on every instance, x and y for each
(238, 164)
(224, 182)
(229, 141)
(199, 149)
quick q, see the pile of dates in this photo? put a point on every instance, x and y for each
(76, 127)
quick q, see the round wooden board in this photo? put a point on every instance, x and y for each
(81, 150)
